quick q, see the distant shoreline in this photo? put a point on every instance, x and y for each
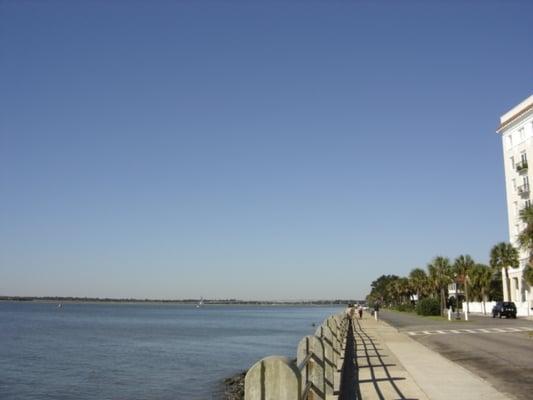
(183, 302)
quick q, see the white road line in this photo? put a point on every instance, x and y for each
(477, 330)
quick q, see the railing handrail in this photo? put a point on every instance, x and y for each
(314, 371)
(305, 361)
(305, 392)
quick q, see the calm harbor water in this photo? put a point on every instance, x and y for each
(140, 351)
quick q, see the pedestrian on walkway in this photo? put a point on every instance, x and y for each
(360, 311)
(350, 311)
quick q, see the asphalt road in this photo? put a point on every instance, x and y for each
(504, 359)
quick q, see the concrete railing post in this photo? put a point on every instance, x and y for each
(314, 375)
(336, 332)
(330, 364)
(338, 339)
(314, 370)
(343, 328)
(273, 378)
(333, 325)
(340, 318)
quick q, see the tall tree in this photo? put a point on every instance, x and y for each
(481, 278)
(528, 275)
(419, 281)
(441, 274)
(399, 290)
(504, 255)
(405, 289)
(525, 240)
(525, 237)
(390, 293)
(462, 267)
(381, 289)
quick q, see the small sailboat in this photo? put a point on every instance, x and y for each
(200, 303)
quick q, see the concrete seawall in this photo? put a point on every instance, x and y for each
(316, 374)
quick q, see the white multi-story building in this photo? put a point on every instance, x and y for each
(516, 128)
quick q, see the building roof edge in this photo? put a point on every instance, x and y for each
(515, 113)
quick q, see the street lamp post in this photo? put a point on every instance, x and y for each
(457, 314)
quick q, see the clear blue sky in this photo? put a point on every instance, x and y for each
(257, 150)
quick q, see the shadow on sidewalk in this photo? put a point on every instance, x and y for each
(372, 362)
(348, 389)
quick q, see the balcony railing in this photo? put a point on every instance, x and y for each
(524, 189)
(521, 166)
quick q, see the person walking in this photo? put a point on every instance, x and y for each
(360, 311)
(350, 311)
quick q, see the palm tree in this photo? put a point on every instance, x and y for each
(525, 238)
(405, 289)
(528, 275)
(440, 272)
(419, 281)
(395, 291)
(504, 255)
(474, 290)
(481, 277)
(462, 266)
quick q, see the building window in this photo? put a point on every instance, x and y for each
(514, 184)
(512, 162)
(510, 140)
(521, 134)
(523, 157)
(527, 203)
(526, 182)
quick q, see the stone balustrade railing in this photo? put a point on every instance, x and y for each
(312, 377)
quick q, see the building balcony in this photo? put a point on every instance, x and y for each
(521, 167)
(523, 190)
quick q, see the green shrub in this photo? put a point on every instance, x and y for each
(405, 307)
(428, 306)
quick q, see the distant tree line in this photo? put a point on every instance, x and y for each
(474, 281)
(477, 281)
(64, 299)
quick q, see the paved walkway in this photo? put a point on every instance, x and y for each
(378, 373)
(391, 365)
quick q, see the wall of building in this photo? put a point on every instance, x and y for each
(517, 143)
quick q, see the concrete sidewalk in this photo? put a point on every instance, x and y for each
(379, 374)
(426, 372)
